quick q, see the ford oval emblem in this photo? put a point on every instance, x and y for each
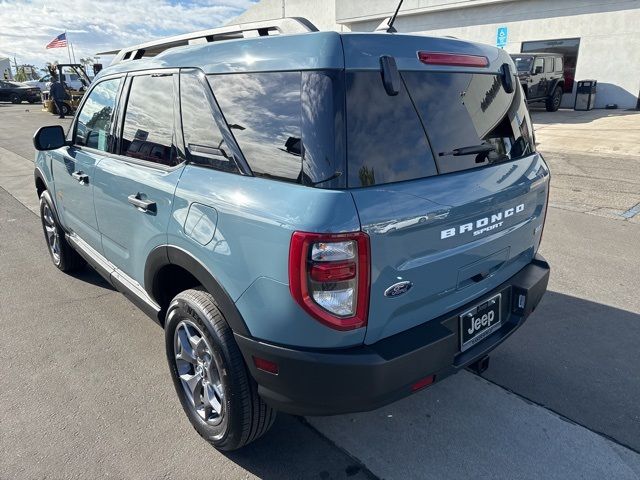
(398, 289)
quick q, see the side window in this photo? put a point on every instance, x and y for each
(202, 137)
(538, 65)
(558, 64)
(548, 65)
(93, 126)
(263, 113)
(148, 121)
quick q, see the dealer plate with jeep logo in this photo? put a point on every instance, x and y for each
(479, 322)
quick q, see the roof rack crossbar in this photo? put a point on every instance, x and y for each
(228, 32)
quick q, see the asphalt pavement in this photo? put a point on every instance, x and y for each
(85, 392)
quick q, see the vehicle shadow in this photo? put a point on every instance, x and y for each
(284, 453)
(579, 358)
(89, 275)
(576, 357)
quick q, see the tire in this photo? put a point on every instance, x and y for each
(201, 349)
(553, 102)
(31, 101)
(66, 110)
(15, 98)
(63, 256)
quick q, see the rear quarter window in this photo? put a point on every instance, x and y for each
(262, 111)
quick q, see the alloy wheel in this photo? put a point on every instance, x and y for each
(51, 232)
(198, 372)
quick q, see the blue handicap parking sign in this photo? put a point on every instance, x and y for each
(501, 38)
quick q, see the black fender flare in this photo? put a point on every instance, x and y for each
(38, 175)
(164, 255)
(555, 83)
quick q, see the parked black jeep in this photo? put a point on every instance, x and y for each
(542, 77)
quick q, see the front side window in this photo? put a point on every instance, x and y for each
(202, 137)
(93, 127)
(148, 123)
(262, 111)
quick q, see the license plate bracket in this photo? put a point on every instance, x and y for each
(480, 321)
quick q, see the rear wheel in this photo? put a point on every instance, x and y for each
(15, 98)
(62, 254)
(215, 389)
(553, 102)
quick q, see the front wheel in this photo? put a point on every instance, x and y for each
(215, 389)
(553, 102)
(62, 254)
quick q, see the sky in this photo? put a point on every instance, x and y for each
(92, 26)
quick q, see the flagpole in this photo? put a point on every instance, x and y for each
(67, 39)
(73, 52)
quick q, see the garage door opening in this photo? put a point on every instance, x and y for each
(568, 47)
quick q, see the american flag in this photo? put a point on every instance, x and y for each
(58, 42)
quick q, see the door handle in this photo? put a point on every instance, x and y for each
(141, 204)
(81, 177)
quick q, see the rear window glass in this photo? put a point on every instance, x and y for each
(263, 113)
(148, 123)
(385, 140)
(558, 64)
(470, 110)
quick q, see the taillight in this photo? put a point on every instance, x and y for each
(546, 209)
(453, 59)
(329, 277)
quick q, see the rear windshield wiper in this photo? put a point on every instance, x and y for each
(483, 152)
(473, 149)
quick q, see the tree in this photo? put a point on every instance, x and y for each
(21, 76)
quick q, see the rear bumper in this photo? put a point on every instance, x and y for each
(328, 382)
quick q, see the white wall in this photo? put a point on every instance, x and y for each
(322, 13)
(609, 30)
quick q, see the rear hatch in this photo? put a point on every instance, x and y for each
(443, 170)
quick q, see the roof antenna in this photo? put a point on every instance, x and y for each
(387, 23)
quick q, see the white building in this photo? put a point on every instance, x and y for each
(600, 39)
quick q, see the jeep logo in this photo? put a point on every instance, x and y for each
(482, 225)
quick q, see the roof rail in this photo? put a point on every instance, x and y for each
(227, 32)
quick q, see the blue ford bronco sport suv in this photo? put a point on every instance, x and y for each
(322, 223)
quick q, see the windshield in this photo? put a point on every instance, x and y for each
(523, 64)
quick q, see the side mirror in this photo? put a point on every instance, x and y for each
(538, 70)
(49, 138)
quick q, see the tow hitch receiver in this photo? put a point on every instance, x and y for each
(480, 365)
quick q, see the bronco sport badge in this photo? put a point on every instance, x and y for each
(482, 225)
